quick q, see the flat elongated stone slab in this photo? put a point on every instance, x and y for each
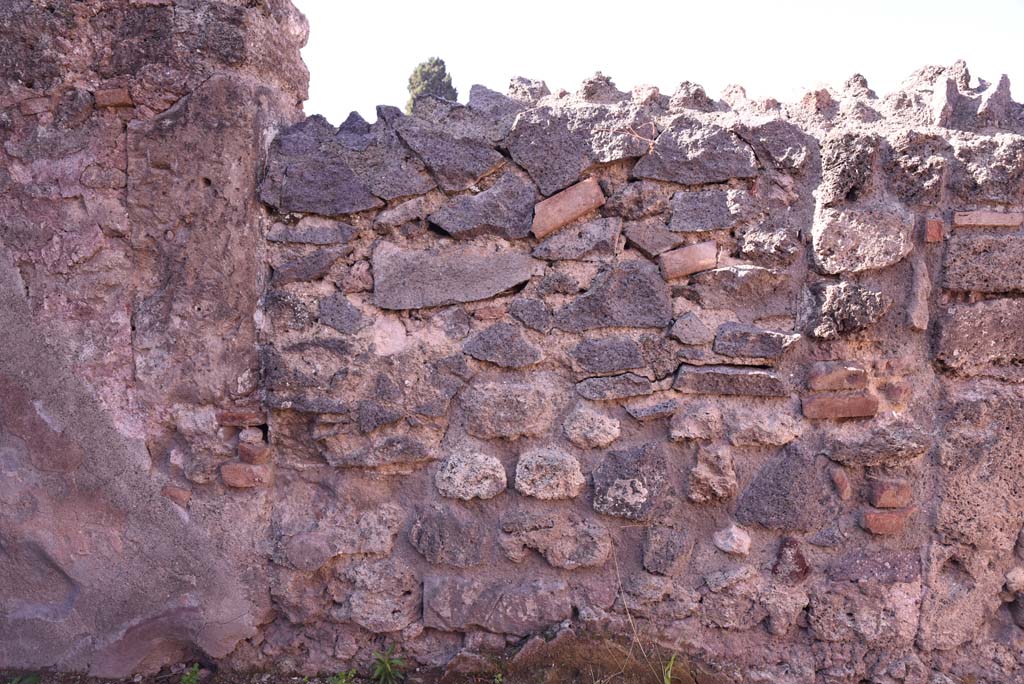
(567, 206)
(987, 218)
(415, 279)
(729, 381)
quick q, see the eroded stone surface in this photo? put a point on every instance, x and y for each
(411, 279)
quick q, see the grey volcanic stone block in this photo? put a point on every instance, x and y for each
(629, 483)
(631, 294)
(740, 340)
(608, 355)
(590, 241)
(379, 159)
(505, 209)
(456, 163)
(415, 279)
(503, 344)
(305, 173)
(728, 380)
(787, 494)
(694, 153)
(614, 387)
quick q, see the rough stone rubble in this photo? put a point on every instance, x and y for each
(742, 375)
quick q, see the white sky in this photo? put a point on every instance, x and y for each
(360, 54)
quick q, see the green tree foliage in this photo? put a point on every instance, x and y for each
(431, 78)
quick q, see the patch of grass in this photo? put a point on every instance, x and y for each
(346, 677)
(25, 679)
(387, 669)
(191, 675)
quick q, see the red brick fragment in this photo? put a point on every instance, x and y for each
(178, 495)
(113, 97)
(841, 482)
(887, 522)
(245, 475)
(688, 260)
(933, 230)
(839, 405)
(986, 218)
(566, 206)
(890, 493)
(249, 452)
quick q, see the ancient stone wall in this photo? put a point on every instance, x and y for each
(736, 378)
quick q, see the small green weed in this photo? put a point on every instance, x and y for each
(191, 675)
(25, 679)
(347, 677)
(498, 678)
(666, 670)
(387, 669)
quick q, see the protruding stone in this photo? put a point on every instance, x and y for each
(533, 313)
(256, 454)
(591, 241)
(885, 444)
(505, 209)
(688, 260)
(415, 279)
(549, 473)
(728, 380)
(590, 429)
(836, 375)
(614, 387)
(645, 410)
(888, 522)
(839, 405)
(565, 207)
(629, 482)
(844, 308)
(733, 540)
(713, 478)
(693, 153)
(629, 295)
(850, 241)
(786, 494)
(749, 341)
(456, 163)
(651, 237)
(503, 344)
(178, 495)
(302, 177)
(470, 475)
(607, 355)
